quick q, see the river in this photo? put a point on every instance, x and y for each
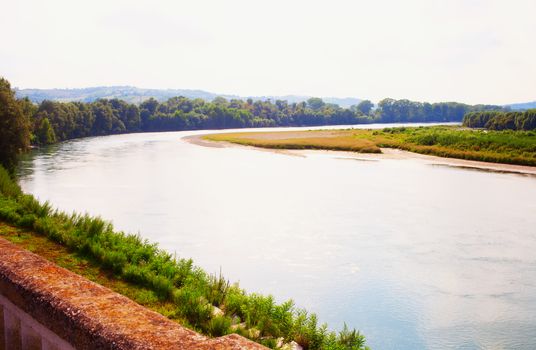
(414, 255)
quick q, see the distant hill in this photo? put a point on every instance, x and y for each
(522, 106)
(127, 93)
(137, 95)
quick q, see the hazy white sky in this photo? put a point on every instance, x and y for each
(475, 51)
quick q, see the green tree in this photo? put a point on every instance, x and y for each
(28, 108)
(315, 103)
(14, 127)
(220, 101)
(147, 109)
(104, 119)
(365, 107)
(44, 134)
(133, 120)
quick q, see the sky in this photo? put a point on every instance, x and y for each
(473, 51)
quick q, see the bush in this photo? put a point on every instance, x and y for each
(219, 325)
(192, 305)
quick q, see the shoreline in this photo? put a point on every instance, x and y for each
(387, 153)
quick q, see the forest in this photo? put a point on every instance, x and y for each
(500, 120)
(24, 123)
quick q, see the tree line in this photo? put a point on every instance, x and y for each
(23, 123)
(501, 120)
(405, 111)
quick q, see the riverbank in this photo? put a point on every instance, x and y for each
(514, 151)
(298, 226)
(171, 286)
(44, 306)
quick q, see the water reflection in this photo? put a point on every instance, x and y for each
(416, 256)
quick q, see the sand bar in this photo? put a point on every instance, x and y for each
(387, 153)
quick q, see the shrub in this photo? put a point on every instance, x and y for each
(219, 325)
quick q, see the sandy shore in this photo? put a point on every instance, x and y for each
(387, 153)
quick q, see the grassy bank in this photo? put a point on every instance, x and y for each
(510, 147)
(174, 287)
(84, 266)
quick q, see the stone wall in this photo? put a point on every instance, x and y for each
(45, 307)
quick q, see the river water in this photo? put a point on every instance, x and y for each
(414, 255)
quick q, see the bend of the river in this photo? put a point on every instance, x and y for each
(415, 256)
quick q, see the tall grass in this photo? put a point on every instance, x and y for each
(511, 147)
(295, 140)
(8, 187)
(197, 296)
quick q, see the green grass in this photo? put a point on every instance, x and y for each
(85, 266)
(510, 147)
(141, 271)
